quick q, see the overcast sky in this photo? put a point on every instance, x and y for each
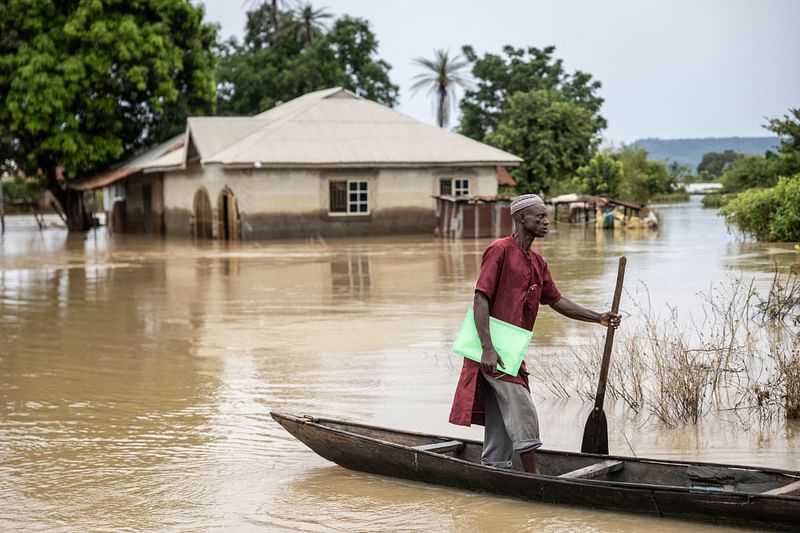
(669, 68)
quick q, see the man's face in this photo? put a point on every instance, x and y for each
(534, 220)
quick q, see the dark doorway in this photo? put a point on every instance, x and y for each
(228, 216)
(201, 227)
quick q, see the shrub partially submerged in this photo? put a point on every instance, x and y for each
(771, 214)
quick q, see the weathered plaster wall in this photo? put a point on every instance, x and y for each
(134, 204)
(275, 203)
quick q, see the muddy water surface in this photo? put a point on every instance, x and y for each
(137, 375)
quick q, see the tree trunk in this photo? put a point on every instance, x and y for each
(441, 119)
(78, 219)
(274, 15)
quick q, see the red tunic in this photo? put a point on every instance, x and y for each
(515, 283)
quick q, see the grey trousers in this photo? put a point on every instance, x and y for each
(512, 424)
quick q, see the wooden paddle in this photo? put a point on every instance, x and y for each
(595, 434)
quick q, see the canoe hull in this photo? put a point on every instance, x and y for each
(357, 452)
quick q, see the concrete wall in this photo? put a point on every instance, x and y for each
(295, 203)
(136, 218)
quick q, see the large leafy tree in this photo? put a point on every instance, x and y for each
(642, 178)
(714, 164)
(276, 66)
(553, 136)
(84, 83)
(498, 77)
(601, 176)
(788, 128)
(442, 76)
(748, 172)
(524, 101)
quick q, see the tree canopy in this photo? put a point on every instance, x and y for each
(276, 64)
(552, 135)
(525, 102)
(84, 83)
(714, 164)
(767, 205)
(788, 129)
(747, 172)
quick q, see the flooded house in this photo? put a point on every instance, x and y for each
(327, 163)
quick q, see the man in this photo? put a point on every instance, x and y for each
(513, 281)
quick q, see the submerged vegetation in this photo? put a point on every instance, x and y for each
(742, 355)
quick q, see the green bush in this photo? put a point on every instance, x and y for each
(717, 199)
(670, 197)
(771, 214)
(21, 189)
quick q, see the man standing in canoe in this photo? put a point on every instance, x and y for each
(513, 281)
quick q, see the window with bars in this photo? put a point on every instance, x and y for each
(349, 197)
(454, 186)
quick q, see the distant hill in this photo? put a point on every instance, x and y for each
(691, 150)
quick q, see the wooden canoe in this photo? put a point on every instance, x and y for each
(720, 493)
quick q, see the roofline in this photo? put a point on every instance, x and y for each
(366, 164)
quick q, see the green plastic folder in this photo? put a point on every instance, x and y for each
(510, 341)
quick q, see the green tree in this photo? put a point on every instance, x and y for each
(84, 83)
(307, 23)
(354, 47)
(524, 101)
(266, 70)
(601, 176)
(443, 74)
(788, 129)
(750, 171)
(714, 164)
(681, 173)
(553, 135)
(499, 77)
(642, 178)
(771, 214)
(264, 21)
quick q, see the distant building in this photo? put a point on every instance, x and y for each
(703, 188)
(326, 163)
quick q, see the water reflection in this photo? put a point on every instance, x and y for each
(350, 275)
(136, 374)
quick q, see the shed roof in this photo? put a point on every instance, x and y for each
(170, 149)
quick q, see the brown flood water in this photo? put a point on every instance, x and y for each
(137, 375)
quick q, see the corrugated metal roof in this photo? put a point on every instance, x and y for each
(168, 149)
(212, 134)
(333, 128)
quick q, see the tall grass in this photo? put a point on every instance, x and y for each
(742, 354)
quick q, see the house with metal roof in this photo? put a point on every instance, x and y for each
(324, 164)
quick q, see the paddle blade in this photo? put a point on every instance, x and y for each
(595, 434)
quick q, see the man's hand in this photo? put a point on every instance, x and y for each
(489, 361)
(610, 319)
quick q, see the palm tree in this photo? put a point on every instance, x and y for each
(443, 74)
(309, 21)
(272, 8)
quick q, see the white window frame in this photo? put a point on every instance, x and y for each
(458, 186)
(353, 205)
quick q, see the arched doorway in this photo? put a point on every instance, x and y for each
(228, 214)
(201, 227)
